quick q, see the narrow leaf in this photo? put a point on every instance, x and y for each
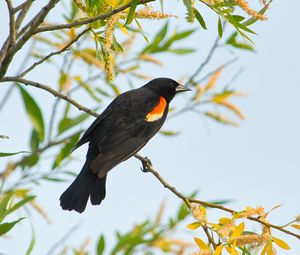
(218, 250)
(5, 227)
(296, 226)
(19, 204)
(201, 244)
(193, 225)
(100, 245)
(220, 28)
(34, 113)
(238, 230)
(32, 242)
(282, 244)
(199, 18)
(131, 13)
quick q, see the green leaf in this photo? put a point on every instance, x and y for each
(158, 38)
(64, 152)
(18, 205)
(5, 227)
(5, 199)
(199, 18)
(220, 28)
(131, 13)
(175, 37)
(34, 113)
(238, 18)
(141, 30)
(67, 123)
(100, 245)
(32, 242)
(234, 43)
(168, 132)
(183, 212)
(181, 51)
(30, 160)
(4, 137)
(7, 154)
(34, 140)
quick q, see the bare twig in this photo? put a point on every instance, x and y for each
(23, 5)
(88, 20)
(205, 62)
(22, 14)
(54, 53)
(34, 23)
(49, 89)
(63, 238)
(209, 237)
(12, 28)
(188, 200)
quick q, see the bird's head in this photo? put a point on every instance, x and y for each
(166, 87)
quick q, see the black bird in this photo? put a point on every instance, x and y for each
(122, 129)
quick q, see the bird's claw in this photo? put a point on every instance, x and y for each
(146, 162)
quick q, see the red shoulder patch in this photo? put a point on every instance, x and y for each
(158, 110)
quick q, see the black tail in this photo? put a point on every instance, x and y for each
(87, 184)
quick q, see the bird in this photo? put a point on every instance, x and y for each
(119, 132)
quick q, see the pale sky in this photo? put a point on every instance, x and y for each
(255, 164)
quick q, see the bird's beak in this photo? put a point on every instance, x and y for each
(181, 88)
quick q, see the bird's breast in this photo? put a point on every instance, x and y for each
(158, 110)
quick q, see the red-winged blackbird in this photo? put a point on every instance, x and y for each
(122, 129)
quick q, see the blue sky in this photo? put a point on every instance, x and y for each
(255, 164)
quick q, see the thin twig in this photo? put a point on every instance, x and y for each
(205, 62)
(188, 200)
(12, 28)
(81, 22)
(64, 238)
(49, 89)
(22, 15)
(34, 23)
(22, 5)
(209, 237)
(54, 53)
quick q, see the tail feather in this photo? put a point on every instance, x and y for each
(87, 184)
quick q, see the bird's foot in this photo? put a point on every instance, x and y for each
(147, 164)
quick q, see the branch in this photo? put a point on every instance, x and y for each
(23, 5)
(12, 29)
(205, 62)
(52, 91)
(88, 20)
(34, 23)
(54, 53)
(25, 8)
(188, 200)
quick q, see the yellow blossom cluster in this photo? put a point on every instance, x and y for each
(149, 13)
(250, 211)
(109, 33)
(202, 252)
(227, 227)
(199, 213)
(245, 6)
(252, 239)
